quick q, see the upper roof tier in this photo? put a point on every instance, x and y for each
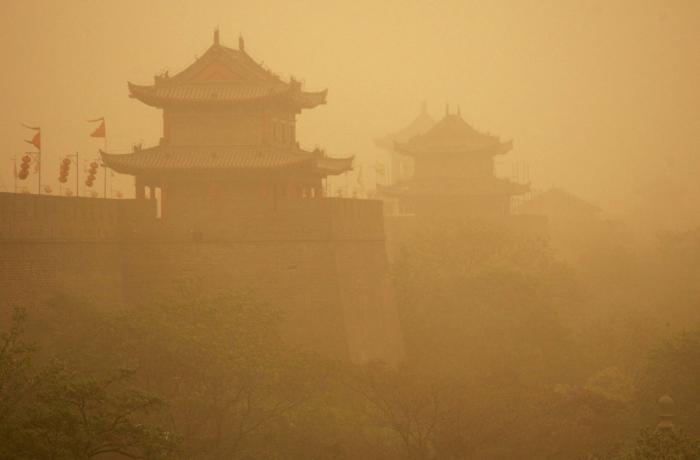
(224, 76)
(168, 159)
(453, 135)
(420, 125)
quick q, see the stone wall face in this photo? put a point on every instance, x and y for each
(321, 261)
(51, 246)
(33, 272)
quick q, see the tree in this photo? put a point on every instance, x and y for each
(53, 412)
(222, 365)
(663, 444)
(672, 368)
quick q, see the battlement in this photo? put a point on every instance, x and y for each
(50, 218)
(47, 218)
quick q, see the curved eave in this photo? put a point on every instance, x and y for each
(298, 99)
(124, 164)
(115, 163)
(407, 148)
(327, 166)
(505, 147)
(309, 100)
(505, 188)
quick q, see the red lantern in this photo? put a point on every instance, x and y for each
(24, 167)
(64, 170)
(92, 172)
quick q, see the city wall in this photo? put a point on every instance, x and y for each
(322, 261)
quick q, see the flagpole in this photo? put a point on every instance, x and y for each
(77, 175)
(15, 173)
(103, 164)
(39, 160)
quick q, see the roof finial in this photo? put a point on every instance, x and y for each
(216, 36)
(241, 43)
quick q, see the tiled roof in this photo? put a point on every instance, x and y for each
(223, 75)
(212, 92)
(193, 159)
(453, 134)
(420, 125)
(158, 95)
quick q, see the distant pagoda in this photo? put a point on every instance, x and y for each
(401, 166)
(454, 173)
(229, 131)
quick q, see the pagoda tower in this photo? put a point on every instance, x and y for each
(454, 173)
(229, 133)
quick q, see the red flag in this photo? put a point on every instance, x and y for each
(36, 140)
(101, 130)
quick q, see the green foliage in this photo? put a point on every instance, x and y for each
(452, 417)
(221, 364)
(510, 354)
(471, 295)
(673, 368)
(52, 412)
(224, 367)
(668, 444)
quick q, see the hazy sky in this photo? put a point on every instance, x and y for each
(600, 96)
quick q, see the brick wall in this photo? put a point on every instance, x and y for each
(322, 261)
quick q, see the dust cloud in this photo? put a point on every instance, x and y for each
(483, 242)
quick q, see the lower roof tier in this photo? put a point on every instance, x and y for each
(197, 159)
(436, 149)
(463, 187)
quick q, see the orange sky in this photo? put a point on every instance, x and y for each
(601, 97)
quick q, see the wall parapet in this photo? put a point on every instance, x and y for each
(52, 218)
(312, 219)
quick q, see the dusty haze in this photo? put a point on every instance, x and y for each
(601, 98)
(236, 306)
